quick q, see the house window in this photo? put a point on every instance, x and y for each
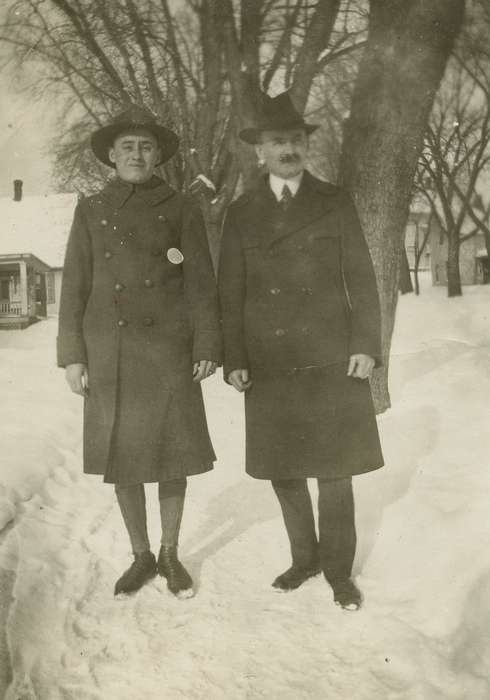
(50, 288)
(5, 290)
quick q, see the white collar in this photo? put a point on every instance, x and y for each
(277, 183)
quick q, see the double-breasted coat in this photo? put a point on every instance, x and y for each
(298, 297)
(138, 307)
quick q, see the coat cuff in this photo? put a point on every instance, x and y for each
(71, 350)
(232, 364)
(207, 346)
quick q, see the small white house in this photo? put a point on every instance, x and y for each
(33, 235)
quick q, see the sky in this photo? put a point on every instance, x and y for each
(26, 128)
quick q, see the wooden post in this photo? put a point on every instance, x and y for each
(24, 291)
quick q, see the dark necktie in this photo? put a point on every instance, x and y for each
(286, 198)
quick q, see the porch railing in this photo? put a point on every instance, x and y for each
(10, 308)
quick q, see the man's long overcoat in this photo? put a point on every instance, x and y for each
(138, 317)
(298, 297)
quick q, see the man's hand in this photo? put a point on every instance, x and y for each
(360, 366)
(240, 380)
(77, 378)
(203, 369)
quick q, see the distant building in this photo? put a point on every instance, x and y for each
(473, 259)
(33, 235)
(415, 233)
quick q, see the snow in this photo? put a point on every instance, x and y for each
(38, 225)
(423, 560)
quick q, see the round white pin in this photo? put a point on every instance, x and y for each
(175, 256)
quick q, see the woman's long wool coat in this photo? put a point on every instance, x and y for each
(138, 316)
(298, 297)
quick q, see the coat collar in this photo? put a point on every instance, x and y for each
(313, 199)
(117, 192)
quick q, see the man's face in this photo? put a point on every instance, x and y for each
(135, 155)
(284, 151)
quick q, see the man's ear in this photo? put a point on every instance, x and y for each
(259, 151)
(111, 154)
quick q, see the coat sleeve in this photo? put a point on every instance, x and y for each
(361, 288)
(200, 286)
(232, 290)
(75, 291)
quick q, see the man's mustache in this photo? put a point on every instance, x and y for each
(289, 159)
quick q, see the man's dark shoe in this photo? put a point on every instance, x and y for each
(179, 581)
(295, 576)
(346, 594)
(141, 570)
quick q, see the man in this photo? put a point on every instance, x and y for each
(138, 331)
(301, 328)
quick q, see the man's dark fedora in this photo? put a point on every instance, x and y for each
(275, 114)
(133, 118)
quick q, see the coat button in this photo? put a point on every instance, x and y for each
(118, 287)
(161, 217)
(148, 283)
(280, 332)
(108, 255)
(148, 321)
(122, 323)
(275, 291)
(104, 222)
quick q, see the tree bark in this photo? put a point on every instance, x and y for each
(453, 275)
(408, 45)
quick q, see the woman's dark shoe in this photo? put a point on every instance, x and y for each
(346, 594)
(179, 581)
(141, 570)
(295, 576)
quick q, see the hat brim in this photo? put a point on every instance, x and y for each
(103, 139)
(252, 134)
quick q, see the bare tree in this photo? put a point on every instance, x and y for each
(199, 65)
(456, 153)
(201, 68)
(407, 49)
(421, 238)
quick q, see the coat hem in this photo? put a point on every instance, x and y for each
(201, 469)
(273, 476)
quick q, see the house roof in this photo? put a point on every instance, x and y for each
(37, 225)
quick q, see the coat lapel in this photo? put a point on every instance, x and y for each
(155, 191)
(312, 201)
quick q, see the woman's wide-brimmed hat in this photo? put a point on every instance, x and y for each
(276, 114)
(133, 118)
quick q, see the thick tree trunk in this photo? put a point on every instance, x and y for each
(453, 275)
(408, 45)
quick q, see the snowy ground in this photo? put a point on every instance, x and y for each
(423, 558)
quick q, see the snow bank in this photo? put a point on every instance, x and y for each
(423, 560)
(39, 419)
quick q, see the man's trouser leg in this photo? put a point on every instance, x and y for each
(297, 511)
(132, 503)
(336, 525)
(172, 496)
